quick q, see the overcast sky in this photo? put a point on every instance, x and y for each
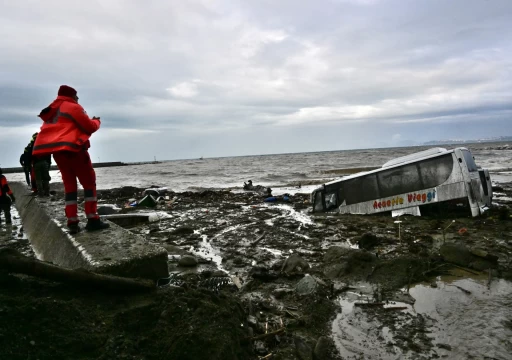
(184, 79)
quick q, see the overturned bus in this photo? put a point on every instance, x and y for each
(404, 184)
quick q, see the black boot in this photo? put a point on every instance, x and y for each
(46, 189)
(96, 224)
(73, 228)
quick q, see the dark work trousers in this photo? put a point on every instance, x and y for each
(5, 207)
(42, 171)
(27, 174)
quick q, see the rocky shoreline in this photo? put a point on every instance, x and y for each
(252, 280)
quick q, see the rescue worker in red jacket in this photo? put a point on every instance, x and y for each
(65, 134)
(6, 198)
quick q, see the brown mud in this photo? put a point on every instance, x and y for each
(251, 280)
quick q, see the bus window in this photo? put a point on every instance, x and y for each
(354, 194)
(483, 180)
(470, 162)
(399, 180)
(330, 201)
(364, 188)
(436, 171)
(370, 187)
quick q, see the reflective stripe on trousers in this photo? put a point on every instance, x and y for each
(73, 165)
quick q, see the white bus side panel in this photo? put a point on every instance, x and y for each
(406, 200)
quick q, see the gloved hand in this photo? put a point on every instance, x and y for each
(13, 199)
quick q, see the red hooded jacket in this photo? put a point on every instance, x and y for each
(66, 127)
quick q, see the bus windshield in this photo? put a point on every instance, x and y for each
(470, 162)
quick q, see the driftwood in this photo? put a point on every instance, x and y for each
(461, 289)
(466, 269)
(375, 304)
(261, 237)
(396, 308)
(14, 262)
(263, 336)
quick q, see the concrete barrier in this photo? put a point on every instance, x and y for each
(114, 251)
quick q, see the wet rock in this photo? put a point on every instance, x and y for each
(307, 286)
(263, 274)
(252, 321)
(321, 350)
(303, 350)
(294, 264)
(444, 346)
(456, 253)
(335, 253)
(482, 264)
(280, 293)
(187, 261)
(174, 250)
(219, 273)
(368, 241)
(238, 261)
(183, 230)
(154, 228)
(260, 348)
(484, 254)
(334, 271)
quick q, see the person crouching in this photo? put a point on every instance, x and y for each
(65, 133)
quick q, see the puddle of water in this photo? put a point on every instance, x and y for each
(293, 214)
(13, 236)
(206, 250)
(474, 325)
(273, 251)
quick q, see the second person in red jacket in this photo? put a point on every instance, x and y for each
(65, 134)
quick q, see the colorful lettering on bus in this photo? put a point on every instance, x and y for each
(416, 197)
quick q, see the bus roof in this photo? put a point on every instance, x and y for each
(415, 157)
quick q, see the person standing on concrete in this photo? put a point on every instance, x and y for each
(6, 198)
(25, 164)
(29, 160)
(42, 165)
(65, 134)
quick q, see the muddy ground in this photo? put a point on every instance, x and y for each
(251, 280)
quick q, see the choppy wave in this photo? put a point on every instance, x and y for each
(281, 170)
(347, 171)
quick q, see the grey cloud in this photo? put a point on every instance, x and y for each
(199, 72)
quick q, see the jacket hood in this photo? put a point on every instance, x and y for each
(50, 111)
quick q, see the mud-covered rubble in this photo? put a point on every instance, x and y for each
(288, 268)
(282, 255)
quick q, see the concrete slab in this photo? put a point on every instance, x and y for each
(114, 251)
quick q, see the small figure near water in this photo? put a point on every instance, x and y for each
(6, 198)
(248, 186)
(29, 162)
(26, 165)
(65, 133)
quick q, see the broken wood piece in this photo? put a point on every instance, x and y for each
(396, 308)
(261, 237)
(14, 262)
(263, 336)
(465, 269)
(375, 304)
(461, 289)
